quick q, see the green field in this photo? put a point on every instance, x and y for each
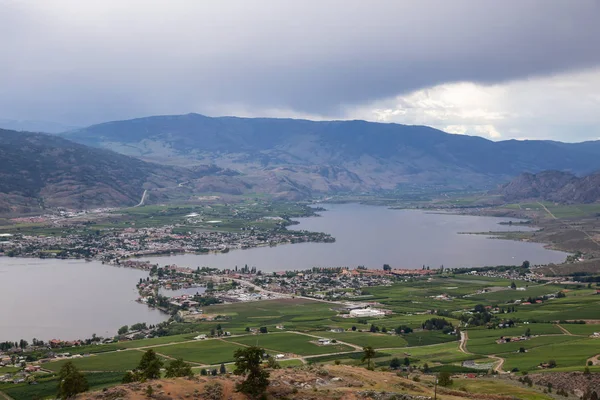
(489, 346)
(47, 387)
(118, 361)
(573, 353)
(376, 340)
(208, 352)
(290, 343)
(536, 329)
(580, 329)
(439, 353)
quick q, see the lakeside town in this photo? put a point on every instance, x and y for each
(112, 245)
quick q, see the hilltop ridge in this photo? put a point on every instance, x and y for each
(336, 156)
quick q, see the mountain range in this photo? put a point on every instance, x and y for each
(556, 186)
(44, 171)
(336, 156)
(179, 157)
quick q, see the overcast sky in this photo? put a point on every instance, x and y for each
(499, 69)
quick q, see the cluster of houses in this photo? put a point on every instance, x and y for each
(112, 245)
(506, 339)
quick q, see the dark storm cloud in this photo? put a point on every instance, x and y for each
(81, 62)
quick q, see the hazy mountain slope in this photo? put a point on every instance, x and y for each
(557, 186)
(365, 155)
(39, 170)
(34, 126)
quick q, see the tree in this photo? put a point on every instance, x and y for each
(222, 369)
(263, 329)
(368, 354)
(395, 363)
(123, 330)
(248, 363)
(444, 379)
(528, 332)
(513, 285)
(386, 267)
(149, 366)
(178, 368)
(406, 361)
(525, 264)
(71, 381)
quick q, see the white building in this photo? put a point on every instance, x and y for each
(366, 313)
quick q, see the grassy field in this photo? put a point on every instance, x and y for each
(290, 343)
(202, 351)
(376, 340)
(579, 329)
(495, 386)
(117, 361)
(572, 353)
(489, 346)
(47, 387)
(536, 329)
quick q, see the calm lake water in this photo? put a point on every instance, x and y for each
(68, 299)
(373, 236)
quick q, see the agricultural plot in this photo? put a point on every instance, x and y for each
(47, 387)
(573, 353)
(290, 343)
(440, 353)
(117, 361)
(510, 295)
(536, 329)
(363, 339)
(299, 314)
(582, 329)
(489, 346)
(211, 351)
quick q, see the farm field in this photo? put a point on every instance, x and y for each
(573, 353)
(376, 340)
(290, 343)
(536, 329)
(117, 361)
(439, 353)
(46, 387)
(489, 346)
(212, 351)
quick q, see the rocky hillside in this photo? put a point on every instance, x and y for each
(556, 186)
(39, 171)
(335, 156)
(317, 383)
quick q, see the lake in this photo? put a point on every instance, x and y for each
(373, 236)
(68, 299)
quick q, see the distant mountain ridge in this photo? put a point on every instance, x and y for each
(336, 156)
(44, 171)
(556, 186)
(34, 126)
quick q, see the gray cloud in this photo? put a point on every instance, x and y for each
(82, 62)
